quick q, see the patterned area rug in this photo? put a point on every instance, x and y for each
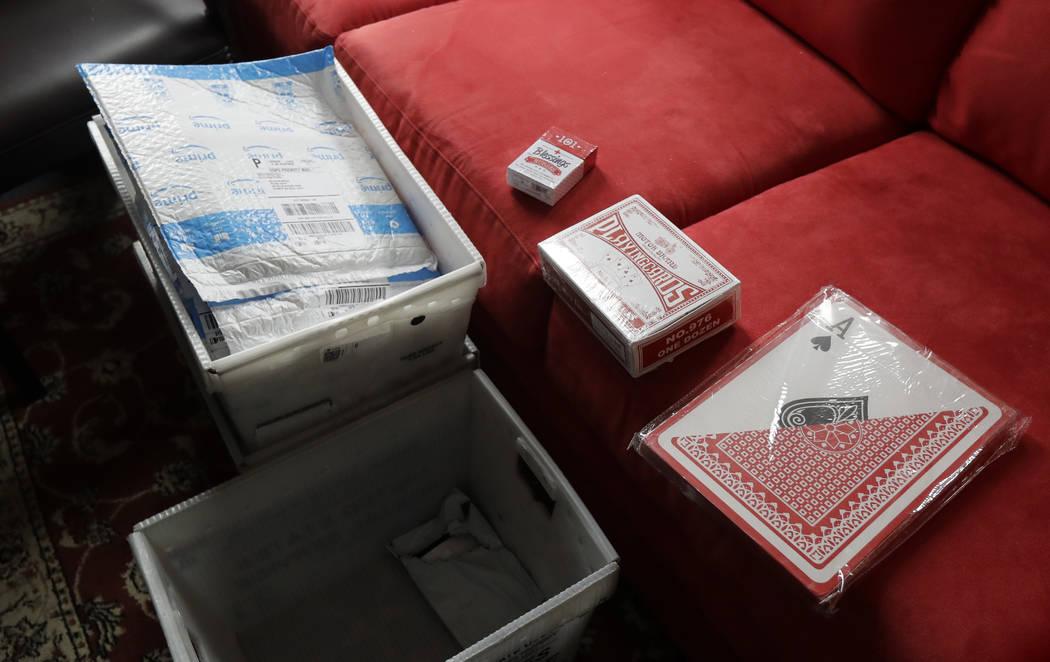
(119, 435)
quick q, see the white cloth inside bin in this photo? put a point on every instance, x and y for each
(474, 583)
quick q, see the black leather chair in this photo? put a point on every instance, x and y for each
(43, 103)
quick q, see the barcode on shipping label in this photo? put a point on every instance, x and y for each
(212, 332)
(309, 208)
(355, 294)
(308, 228)
(334, 353)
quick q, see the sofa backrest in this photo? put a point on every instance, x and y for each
(995, 98)
(271, 28)
(897, 50)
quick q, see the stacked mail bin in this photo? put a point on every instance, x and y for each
(290, 560)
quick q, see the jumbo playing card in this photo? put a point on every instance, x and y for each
(830, 438)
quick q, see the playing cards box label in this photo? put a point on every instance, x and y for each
(834, 436)
(552, 165)
(644, 288)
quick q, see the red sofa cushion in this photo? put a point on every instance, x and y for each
(995, 100)
(896, 49)
(694, 105)
(269, 28)
(954, 254)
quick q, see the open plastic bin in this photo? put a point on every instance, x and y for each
(290, 560)
(266, 394)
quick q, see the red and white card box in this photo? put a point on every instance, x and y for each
(832, 438)
(641, 285)
(552, 165)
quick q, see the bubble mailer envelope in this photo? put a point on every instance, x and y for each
(257, 183)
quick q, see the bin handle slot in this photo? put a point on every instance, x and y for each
(535, 476)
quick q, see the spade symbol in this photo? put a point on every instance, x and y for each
(823, 343)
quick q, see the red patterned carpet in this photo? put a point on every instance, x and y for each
(119, 434)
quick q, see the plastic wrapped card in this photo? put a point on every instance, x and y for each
(831, 439)
(646, 290)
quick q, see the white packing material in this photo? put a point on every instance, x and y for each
(460, 565)
(257, 184)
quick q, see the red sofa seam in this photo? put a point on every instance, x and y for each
(985, 160)
(931, 112)
(438, 152)
(923, 116)
(931, 109)
(326, 38)
(803, 43)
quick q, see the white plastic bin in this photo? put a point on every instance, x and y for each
(290, 562)
(273, 391)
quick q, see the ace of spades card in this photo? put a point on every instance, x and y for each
(829, 437)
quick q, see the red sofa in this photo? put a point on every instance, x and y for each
(898, 150)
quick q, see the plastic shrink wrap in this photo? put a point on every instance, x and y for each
(830, 440)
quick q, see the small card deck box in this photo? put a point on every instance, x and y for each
(643, 287)
(552, 165)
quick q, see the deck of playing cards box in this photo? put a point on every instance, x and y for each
(644, 288)
(552, 165)
(831, 440)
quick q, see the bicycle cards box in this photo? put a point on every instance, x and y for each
(644, 288)
(833, 438)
